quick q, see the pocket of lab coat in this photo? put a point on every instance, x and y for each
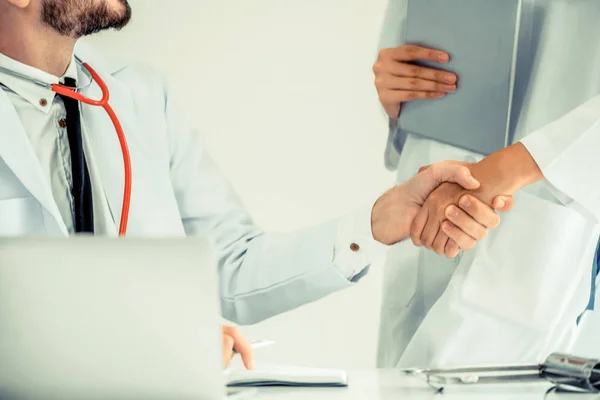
(21, 216)
(526, 270)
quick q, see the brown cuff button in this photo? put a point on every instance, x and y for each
(354, 247)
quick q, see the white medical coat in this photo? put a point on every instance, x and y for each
(177, 190)
(516, 297)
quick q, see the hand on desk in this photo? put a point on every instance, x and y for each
(234, 341)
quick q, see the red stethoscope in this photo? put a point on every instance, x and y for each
(74, 93)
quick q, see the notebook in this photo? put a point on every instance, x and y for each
(481, 37)
(282, 375)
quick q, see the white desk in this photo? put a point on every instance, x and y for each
(391, 385)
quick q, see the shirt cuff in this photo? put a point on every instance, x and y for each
(355, 248)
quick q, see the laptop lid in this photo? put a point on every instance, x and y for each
(109, 318)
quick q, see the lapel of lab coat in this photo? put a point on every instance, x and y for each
(105, 143)
(18, 154)
(153, 208)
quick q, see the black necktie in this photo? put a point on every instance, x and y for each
(83, 220)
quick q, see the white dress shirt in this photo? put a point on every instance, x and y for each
(42, 114)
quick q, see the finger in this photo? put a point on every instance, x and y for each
(503, 203)
(452, 248)
(423, 168)
(387, 96)
(439, 243)
(451, 172)
(410, 52)
(242, 346)
(465, 222)
(227, 349)
(392, 82)
(400, 69)
(481, 212)
(464, 163)
(416, 229)
(463, 240)
(430, 232)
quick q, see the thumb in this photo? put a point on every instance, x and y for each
(455, 162)
(503, 203)
(456, 173)
(423, 168)
(227, 349)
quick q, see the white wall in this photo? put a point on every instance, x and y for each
(284, 92)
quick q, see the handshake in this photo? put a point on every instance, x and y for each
(447, 206)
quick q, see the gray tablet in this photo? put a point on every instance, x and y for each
(481, 37)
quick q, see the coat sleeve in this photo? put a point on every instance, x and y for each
(568, 154)
(261, 274)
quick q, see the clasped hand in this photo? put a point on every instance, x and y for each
(453, 218)
(443, 208)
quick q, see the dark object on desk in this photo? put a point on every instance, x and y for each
(575, 373)
(481, 37)
(286, 376)
(572, 371)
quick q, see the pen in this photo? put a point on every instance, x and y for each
(259, 344)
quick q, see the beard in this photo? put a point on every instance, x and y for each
(78, 18)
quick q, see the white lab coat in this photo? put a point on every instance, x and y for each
(177, 190)
(516, 296)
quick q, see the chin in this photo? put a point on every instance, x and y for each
(120, 7)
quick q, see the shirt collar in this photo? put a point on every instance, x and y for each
(41, 98)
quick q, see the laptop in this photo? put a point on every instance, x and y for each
(109, 318)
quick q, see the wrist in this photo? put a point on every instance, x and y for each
(507, 170)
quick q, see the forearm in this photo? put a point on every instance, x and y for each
(276, 272)
(565, 152)
(505, 172)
